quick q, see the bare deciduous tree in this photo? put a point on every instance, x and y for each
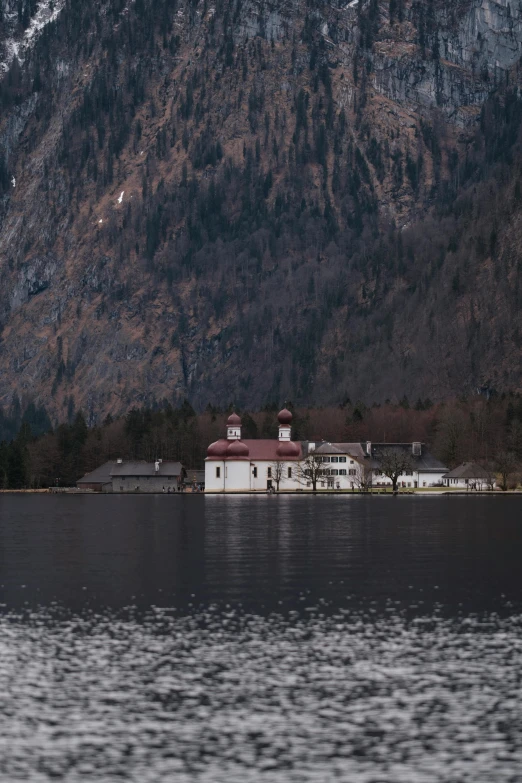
(278, 469)
(363, 476)
(393, 463)
(310, 469)
(490, 475)
(505, 464)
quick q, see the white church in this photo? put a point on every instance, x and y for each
(236, 465)
(261, 465)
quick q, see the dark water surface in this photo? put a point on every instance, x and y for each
(231, 639)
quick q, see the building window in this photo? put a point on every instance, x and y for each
(289, 472)
(218, 472)
(334, 459)
(342, 459)
(351, 472)
(269, 472)
(335, 472)
(342, 472)
(255, 472)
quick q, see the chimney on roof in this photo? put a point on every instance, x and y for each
(416, 449)
(369, 448)
(119, 461)
(156, 466)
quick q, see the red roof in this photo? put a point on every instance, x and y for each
(284, 417)
(218, 448)
(237, 449)
(288, 449)
(264, 449)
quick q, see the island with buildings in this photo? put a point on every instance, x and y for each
(237, 465)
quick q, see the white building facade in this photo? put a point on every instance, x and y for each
(470, 476)
(424, 469)
(237, 465)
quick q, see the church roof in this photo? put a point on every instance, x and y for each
(264, 449)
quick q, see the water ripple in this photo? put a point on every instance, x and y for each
(223, 695)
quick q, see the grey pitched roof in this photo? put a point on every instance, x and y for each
(468, 470)
(353, 449)
(146, 469)
(101, 475)
(328, 448)
(323, 447)
(425, 461)
(195, 475)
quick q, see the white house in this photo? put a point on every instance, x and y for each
(425, 470)
(343, 465)
(469, 475)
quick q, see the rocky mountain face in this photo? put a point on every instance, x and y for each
(244, 201)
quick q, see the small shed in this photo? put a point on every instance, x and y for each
(469, 475)
(195, 480)
(98, 480)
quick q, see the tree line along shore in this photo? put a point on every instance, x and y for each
(35, 454)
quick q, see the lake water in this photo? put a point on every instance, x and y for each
(238, 639)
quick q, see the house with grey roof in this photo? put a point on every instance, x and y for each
(344, 464)
(98, 480)
(424, 470)
(470, 476)
(159, 476)
(365, 467)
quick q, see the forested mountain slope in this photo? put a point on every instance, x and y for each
(248, 200)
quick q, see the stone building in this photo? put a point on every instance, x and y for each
(156, 476)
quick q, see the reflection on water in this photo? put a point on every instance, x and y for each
(116, 551)
(228, 640)
(221, 695)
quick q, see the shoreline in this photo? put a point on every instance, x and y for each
(259, 493)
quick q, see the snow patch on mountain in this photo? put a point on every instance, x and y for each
(17, 46)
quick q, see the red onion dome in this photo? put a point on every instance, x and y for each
(218, 448)
(237, 449)
(284, 417)
(288, 448)
(233, 420)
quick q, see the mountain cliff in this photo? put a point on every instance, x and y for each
(250, 201)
